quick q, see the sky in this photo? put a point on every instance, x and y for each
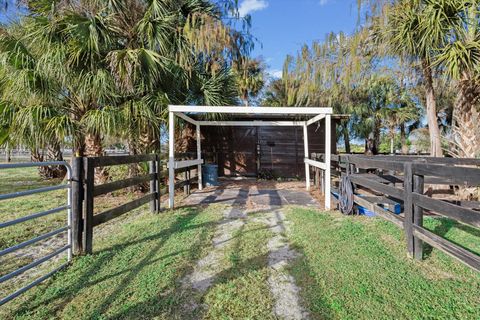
(283, 26)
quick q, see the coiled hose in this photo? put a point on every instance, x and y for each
(346, 196)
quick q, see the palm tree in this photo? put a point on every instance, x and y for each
(460, 57)
(111, 68)
(397, 117)
(375, 95)
(443, 35)
(407, 35)
(250, 81)
(327, 74)
(275, 95)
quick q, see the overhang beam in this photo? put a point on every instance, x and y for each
(315, 119)
(252, 110)
(258, 123)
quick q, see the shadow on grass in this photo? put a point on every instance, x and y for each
(169, 300)
(442, 229)
(239, 269)
(303, 273)
(66, 294)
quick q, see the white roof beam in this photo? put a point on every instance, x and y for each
(252, 110)
(251, 123)
(315, 119)
(186, 118)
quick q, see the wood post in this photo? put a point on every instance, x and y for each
(153, 184)
(322, 181)
(88, 205)
(408, 208)
(77, 205)
(199, 156)
(187, 182)
(171, 160)
(306, 154)
(418, 186)
(328, 157)
(413, 213)
(158, 182)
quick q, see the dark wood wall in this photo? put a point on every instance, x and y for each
(250, 150)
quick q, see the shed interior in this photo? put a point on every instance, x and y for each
(259, 151)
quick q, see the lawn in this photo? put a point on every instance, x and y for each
(14, 180)
(357, 268)
(347, 267)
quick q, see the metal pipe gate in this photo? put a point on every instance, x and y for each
(24, 244)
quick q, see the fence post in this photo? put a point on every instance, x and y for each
(189, 186)
(322, 181)
(159, 184)
(418, 187)
(153, 184)
(88, 205)
(77, 205)
(408, 205)
(185, 179)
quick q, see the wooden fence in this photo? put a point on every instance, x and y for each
(85, 191)
(402, 180)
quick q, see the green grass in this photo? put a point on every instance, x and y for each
(350, 267)
(13, 180)
(133, 274)
(241, 290)
(357, 268)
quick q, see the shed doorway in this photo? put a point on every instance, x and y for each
(261, 152)
(263, 129)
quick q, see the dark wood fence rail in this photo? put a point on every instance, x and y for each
(85, 191)
(417, 202)
(401, 180)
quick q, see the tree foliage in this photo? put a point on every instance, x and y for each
(80, 71)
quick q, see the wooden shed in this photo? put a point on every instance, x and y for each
(242, 141)
(263, 150)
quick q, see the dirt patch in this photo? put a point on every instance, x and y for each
(285, 292)
(204, 273)
(246, 183)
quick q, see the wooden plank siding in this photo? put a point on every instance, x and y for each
(247, 150)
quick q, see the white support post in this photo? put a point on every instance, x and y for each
(171, 160)
(199, 157)
(328, 156)
(307, 156)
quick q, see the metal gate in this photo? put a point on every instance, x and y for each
(67, 228)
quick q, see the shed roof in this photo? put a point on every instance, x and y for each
(252, 110)
(255, 113)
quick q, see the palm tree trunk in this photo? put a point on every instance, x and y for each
(376, 136)
(149, 142)
(466, 117)
(433, 129)
(346, 139)
(94, 148)
(370, 146)
(37, 156)
(403, 138)
(54, 153)
(134, 168)
(8, 154)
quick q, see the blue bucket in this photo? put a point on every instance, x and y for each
(210, 175)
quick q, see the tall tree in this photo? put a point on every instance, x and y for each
(110, 68)
(443, 36)
(406, 34)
